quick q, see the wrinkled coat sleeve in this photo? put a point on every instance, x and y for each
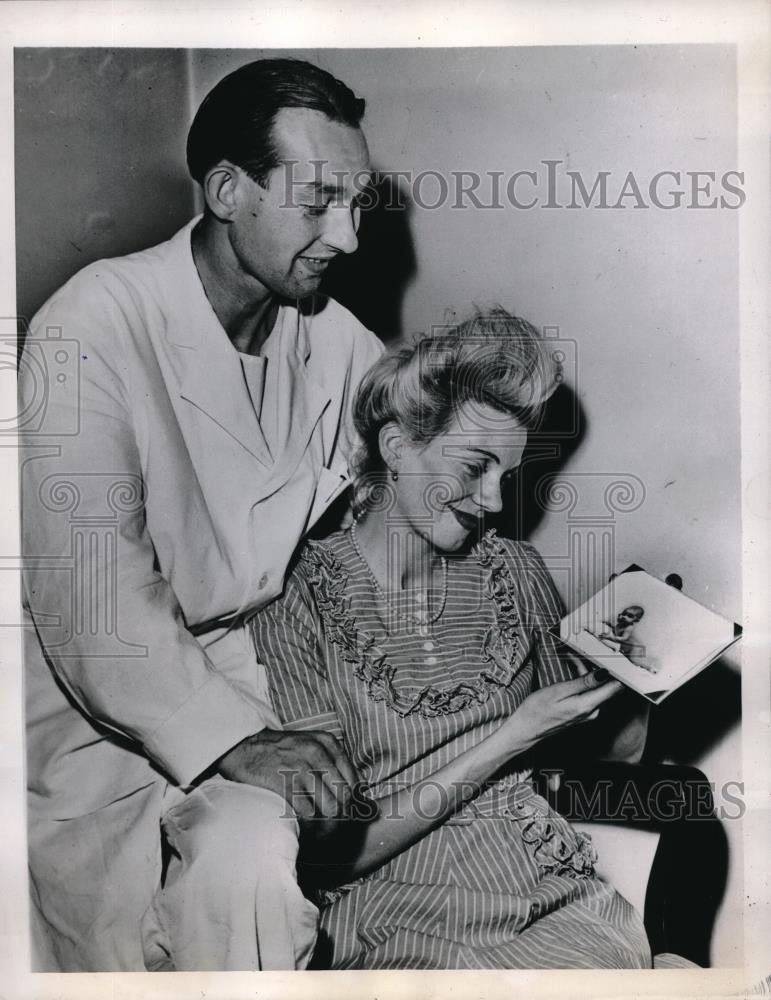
(110, 625)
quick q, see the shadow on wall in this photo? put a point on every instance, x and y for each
(711, 702)
(712, 705)
(372, 281)
(549, 447)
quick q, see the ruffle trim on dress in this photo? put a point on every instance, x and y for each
(554, 845)
(370, 664)
(325, 897)
(501, 640)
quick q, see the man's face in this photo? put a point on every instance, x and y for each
(285, 234)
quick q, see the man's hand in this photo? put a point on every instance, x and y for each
(308, 769)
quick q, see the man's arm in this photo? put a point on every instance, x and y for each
(109, 622)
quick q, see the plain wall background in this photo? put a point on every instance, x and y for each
(649, 297)
(100, 170)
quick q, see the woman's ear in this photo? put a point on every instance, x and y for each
(219, 188)
(390, 441)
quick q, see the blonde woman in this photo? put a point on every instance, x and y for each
(421, 641)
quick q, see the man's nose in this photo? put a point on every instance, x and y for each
(340, 230)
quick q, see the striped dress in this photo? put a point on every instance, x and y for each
(505, 882)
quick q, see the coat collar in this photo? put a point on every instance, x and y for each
(209, 368)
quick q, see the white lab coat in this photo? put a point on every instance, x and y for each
(156, 515)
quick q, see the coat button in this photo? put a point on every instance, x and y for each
(430, 661)
(428, 646)
(263, 581)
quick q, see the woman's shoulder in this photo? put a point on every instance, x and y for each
(329, 549)
(523, 563)
(318, 559)
(315, 580)
(521, 554)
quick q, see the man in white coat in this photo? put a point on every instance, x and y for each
(161, 505)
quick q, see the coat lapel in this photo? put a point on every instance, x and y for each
(213, 381)
(206, 365)
(302, 396)
(210, 376)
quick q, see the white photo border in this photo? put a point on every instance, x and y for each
(320, 24)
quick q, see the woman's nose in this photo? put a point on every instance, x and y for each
(491, 499)
(342, 221)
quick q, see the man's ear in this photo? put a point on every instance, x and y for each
(390, 441)
(220, 189)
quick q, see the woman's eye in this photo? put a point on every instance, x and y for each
(472, 469)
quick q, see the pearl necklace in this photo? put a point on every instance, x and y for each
(422, 620)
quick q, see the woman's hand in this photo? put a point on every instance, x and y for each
(551, 709)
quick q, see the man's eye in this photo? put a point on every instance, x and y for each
(315, 210)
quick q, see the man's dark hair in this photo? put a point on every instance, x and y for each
(235, 119)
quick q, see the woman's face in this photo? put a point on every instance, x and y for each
(445, 487)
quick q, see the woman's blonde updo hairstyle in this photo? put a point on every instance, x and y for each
(492, 358)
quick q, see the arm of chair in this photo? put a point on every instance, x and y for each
(689, 862)
(625, 858)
